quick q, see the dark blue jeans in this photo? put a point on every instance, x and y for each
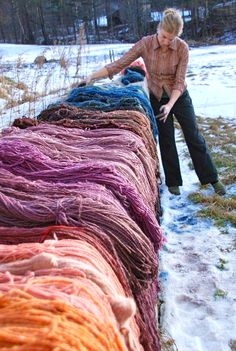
(185, 115)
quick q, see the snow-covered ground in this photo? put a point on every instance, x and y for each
(192, 275)
(212, 80)
(199, 308)
(211, 75)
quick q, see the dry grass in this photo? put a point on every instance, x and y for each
(216, 207)
(7, 85)
(3, 94)
(232, 344)
(40, 60)
(6, 80)
(167, 342)
(21, 86)
(42, 80)
(220, 135)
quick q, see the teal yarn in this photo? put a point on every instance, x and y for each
(107, 96)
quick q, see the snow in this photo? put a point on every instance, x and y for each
(211, 73)
(156, 15)
(224, 4)
(194, 314)
(211, 80)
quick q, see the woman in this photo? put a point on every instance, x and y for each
(166, 58)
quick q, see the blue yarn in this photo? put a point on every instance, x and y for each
(115, 104)
(131, 77)
(91, 95)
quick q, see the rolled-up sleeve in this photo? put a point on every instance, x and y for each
(179, 83)
(129, 57)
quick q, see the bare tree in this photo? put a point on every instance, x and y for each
(39, 21)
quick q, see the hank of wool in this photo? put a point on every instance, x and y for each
(146, 298)
(29, 323)
(85, 172)
(37, 204)
(119, 148)
(100, 97)
(71, 270)
(73, 116)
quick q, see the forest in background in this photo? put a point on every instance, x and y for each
(51, 22)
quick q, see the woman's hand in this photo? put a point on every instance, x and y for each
(87, 81)
(101, 73)
(165, 110)
(90, 79)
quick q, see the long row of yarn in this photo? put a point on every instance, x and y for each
(72, 271)
(36, 154)
(79, 232)
(145, 297)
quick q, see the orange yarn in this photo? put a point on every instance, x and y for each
(31, 324)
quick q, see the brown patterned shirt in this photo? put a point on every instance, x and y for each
(166, 71)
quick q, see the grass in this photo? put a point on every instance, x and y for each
(7, 85)
(221, 209)
(20, 90)
(167, 342)
(232, 344)
(220, 135)
(219, 293)
(221, 264)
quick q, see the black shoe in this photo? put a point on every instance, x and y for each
(174, 190)
(219, 188)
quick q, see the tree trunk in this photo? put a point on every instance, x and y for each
(194, 15)
(95, 21)
(13, 20)
(30, 35)
(2, 33)
(46, 40)
(108, 16)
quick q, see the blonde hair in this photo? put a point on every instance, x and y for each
(172, 22)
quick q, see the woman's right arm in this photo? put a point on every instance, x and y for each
(117, 66)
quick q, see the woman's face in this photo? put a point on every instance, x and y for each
(165, 38)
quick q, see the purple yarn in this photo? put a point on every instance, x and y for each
(24, 203)
(103, 181)
(121, 148)
(34, 165)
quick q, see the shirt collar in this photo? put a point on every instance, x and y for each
(156, 44)
(173, 44)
